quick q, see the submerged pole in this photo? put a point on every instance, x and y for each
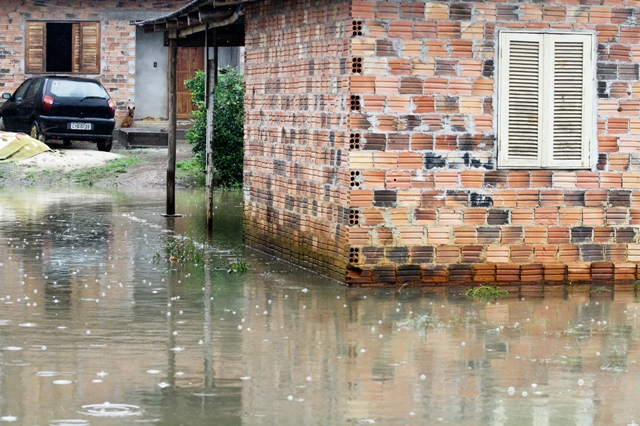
(211, 82)
(171, 158)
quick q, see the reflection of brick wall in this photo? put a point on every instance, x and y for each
(295, 134)
(424, 201)
(118, 38)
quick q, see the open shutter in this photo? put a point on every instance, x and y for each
(76, 48)
(572, 99)
(35, 46)
(86, 47)
(545, 105)
(520, 106)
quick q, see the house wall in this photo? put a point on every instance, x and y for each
(151, 95)
(296, 87)
(432, 206)
(415, 189)
(118, 38)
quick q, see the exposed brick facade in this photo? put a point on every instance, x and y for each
(371, 145)
(118, 37)
(296, 140)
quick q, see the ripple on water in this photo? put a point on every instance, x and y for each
(52, 373)
(108, 409)
(69, 422)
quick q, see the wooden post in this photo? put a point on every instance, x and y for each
(171, 158)
(211, 82)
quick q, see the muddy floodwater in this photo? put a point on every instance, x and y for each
(97, 327)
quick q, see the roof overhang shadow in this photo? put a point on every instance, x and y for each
(190, 23)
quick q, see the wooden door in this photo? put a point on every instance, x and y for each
(190, 60)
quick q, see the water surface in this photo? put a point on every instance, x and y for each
(98, 328)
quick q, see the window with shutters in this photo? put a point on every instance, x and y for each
(62, 47)
(545, 100)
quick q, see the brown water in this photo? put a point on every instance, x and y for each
(94, 331)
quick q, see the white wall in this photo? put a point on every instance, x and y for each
(151, 75)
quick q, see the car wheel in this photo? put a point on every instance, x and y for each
(105, 144)
(2, 127)
(35, 132)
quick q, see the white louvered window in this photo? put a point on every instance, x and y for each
(545, 100)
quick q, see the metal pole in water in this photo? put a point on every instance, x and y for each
(212, 82)
(171, 160)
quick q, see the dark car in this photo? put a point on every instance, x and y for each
(64, 108)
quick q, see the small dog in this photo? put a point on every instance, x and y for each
(128, 120)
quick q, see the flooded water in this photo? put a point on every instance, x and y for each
(98, 328)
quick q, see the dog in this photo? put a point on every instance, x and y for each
(128, 120)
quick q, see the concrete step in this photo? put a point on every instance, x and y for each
(150, 133)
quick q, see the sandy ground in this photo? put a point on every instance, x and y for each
(54, 167)
(69, 159)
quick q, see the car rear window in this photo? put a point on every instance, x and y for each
(76, 89)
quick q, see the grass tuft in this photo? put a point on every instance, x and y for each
(88, 177)
(486, 293)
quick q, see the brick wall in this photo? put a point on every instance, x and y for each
(117, 38)
(416, 184)
(295, 134)
(432, 205)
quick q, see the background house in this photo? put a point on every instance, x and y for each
(96, 40)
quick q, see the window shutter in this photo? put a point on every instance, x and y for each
(86, 47)
(34, 46)
(545, 100)
(572, 100)
(520, 95)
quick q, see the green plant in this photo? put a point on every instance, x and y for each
(178, 248)
(238, 265)
(417, 322)
(486, 293)
(600, 289)
(191, 169)
(228, 125)
(89, 176)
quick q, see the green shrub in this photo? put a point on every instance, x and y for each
(228, 125)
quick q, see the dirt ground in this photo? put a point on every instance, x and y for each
(61, 165)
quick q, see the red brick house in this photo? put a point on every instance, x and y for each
(87, 38)
(434, 142)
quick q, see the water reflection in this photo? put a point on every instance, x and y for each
(94, 331)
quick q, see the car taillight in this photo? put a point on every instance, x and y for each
(47, 103)
(112, 106)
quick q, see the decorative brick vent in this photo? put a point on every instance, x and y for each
(355, 103)
(356, 66)
(357, 28)
(354, 141)
(354, 255)
(355, 179)
(354, 217)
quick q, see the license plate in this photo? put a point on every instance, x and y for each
(80, 126)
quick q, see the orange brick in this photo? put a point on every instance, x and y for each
(545, 253)
(400, 29)
(535, 235)
(464, 235)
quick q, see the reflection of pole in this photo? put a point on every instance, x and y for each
(171, 161)
(208, 345)
(171, 322)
